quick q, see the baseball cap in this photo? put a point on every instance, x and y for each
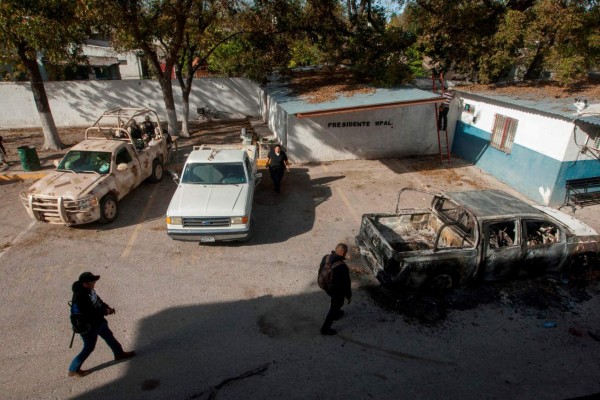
(88, 277)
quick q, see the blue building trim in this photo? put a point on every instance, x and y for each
(527, 171)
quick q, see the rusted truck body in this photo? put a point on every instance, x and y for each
(95, 174)
(463, 237)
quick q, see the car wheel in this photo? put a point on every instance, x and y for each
(442, 282)
(157, 171)
(109, 208)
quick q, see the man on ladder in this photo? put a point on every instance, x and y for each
(444, 108)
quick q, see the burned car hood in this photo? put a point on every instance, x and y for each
(197, 200)
(576, 226)
(66, 184)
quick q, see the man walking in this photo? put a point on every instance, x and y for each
(340, 286)
(90, 311)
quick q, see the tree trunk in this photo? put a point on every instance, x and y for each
(167, 89)
(185, 131)
(51, 139)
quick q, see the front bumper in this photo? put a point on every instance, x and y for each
(197, 235)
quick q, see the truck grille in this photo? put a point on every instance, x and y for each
(205, 222)
(48, 209)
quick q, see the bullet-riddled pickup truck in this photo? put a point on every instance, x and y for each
(115, 157)
(467, 236)
(213, 200)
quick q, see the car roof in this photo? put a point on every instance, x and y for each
(493, 203)
(108, 145)
(216, 156)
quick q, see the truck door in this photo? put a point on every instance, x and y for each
(544, 247)
(501, 250)
(127, 178)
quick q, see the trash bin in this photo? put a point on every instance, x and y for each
(29, 158)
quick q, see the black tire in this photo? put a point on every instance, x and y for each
(109, 208)
(442, 282)
(157, 171)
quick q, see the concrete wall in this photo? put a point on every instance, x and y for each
(544, 153)
(79, 103)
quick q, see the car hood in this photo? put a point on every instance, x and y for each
(66, 184)
(575, 225)
(193, 200)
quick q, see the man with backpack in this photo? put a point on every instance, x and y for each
(334, 278)
(87, 316)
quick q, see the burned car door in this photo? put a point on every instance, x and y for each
(501, 250)
(544, 246)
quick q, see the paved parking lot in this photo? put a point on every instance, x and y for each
(241, 320)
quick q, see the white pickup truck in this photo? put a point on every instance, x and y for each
(213, 200)
(95, 174)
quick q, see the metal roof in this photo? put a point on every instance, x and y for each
(561, 108)
(492, 203)
(381, 98)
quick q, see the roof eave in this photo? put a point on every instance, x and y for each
(346, 110)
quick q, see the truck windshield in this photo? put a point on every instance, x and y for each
(214, 173)
(86, 161)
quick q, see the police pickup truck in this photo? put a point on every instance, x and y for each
(95, 174)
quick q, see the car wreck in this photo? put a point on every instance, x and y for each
(463, 237)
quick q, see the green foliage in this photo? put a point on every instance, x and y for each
(499, 40)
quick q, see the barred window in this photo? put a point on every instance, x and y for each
(503, 133)
(596, 143)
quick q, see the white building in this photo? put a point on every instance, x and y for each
(533, 145)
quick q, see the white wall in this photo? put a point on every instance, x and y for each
(411, 131)
(547, 136)
(80, 103)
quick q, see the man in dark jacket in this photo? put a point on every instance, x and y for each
(90, 311)
(277, 162)
(340, 287)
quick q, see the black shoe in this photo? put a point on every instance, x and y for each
(80, 373)
(328, 332)
(125, 355)
(339, 315)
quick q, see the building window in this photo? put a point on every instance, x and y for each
(503, 133)
(596, 143)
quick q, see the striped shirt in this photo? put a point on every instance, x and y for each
(448, 96)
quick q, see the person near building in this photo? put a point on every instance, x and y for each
(90, 312)
(444, 108)
(340, 286)
(277, 162)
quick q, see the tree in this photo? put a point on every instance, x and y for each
(33, 28)
(490, 40)
(156, 27)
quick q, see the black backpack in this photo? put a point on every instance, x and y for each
(325, 277)
(79, 323)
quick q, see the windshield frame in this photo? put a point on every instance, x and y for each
(211, 173)
(86, 161)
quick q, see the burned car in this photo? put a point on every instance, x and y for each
(481, 235)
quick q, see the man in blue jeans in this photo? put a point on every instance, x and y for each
(90, 311)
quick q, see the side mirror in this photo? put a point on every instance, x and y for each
(56, 162)
(122, 167)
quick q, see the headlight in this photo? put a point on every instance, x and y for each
(239, 220)
(174, 220)
(87, 203)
